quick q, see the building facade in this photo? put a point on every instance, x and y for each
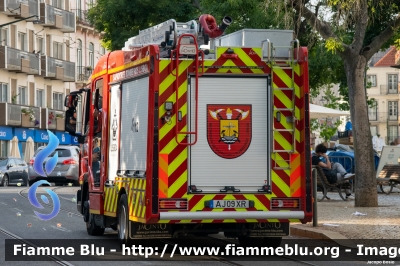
(46, 49)
(383, 81)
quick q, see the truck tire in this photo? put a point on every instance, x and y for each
(123, 223)
(91, 227)
(123, 220)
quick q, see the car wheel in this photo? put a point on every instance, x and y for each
(31, 182)
(5, 181)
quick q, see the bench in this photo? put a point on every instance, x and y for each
(389, 176)
(324, 186)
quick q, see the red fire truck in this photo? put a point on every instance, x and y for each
(196, 140)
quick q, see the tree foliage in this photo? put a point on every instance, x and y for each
(122, 19)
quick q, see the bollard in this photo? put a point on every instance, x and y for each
(315, 201)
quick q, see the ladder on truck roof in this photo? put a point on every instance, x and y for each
(279, 64)
(166, 36)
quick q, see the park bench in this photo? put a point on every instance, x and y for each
(323, 186)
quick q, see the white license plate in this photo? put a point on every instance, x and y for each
(214, 204)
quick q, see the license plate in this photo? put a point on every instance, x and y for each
(214, 204)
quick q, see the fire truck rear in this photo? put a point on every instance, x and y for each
(196, 140)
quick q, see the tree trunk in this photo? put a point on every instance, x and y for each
(366, 194)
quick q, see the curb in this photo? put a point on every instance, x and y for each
(315, 233)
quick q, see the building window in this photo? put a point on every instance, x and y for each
(371, 79)
(58, 4)
(91, 55)
(39, 45)
(392, 83)
(3, 92)
(4, 36)
(372, 112)
(79, 53)
(58, 50)
(393, 133)
(393, 108)
(3, 148)
(374, 130)
(22, 97)
(22, 41)
(102, 50)
(57, 101)
(40, 98)
(91, 3)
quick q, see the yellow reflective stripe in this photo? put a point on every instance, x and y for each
(163, 64)
(129, 65)
(171, 78)
(286, 144)
(177, 184)
(281, 184)
(283, 98)
(247, 59)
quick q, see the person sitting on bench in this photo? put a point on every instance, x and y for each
(328, 166)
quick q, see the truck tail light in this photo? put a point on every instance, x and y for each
(31, 162)
(69, 161)
(285, 204)
(173, 204)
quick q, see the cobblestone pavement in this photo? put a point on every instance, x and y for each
(340, 216)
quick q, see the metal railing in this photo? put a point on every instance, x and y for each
(81, 16)
(389, 89)
(382, 116)
(33, 7)
(83, 73)
(50, 68)
(68, 21)
(13, 61)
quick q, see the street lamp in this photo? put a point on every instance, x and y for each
(22, 19)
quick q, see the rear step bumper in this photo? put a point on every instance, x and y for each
(202, 215)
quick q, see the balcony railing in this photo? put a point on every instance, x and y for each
(15, 117)
(20, 8)
(83, 73)
(19, 61)
(81, 17)
(57, 18)
(389, 89)
(43, 118)
(382, 117)
(53, 68)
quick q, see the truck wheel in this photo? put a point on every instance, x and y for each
(272, 242)
(123, 220)
(246, 241)
(93, 229)
(123, 223)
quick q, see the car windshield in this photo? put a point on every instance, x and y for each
(61, 153)
(3, 162)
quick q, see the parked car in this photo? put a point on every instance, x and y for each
(13, 171)
(66, 170)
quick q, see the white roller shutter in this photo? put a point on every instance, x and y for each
(134, 123)
(248, 172)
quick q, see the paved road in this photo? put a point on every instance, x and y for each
(18, 218)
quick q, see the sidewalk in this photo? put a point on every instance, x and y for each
(338, 219)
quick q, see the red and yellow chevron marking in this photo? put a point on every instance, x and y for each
(295, 175)
(135, 191)
(173, 157)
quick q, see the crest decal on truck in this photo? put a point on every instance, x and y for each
(229, 129)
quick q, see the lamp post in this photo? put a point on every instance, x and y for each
(18, 20)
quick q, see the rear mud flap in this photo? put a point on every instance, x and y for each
(269, 229)
(145, 231)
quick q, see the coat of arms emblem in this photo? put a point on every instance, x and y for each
(229, 129)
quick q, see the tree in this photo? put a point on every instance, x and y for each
(355, 30)
(122, 19)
